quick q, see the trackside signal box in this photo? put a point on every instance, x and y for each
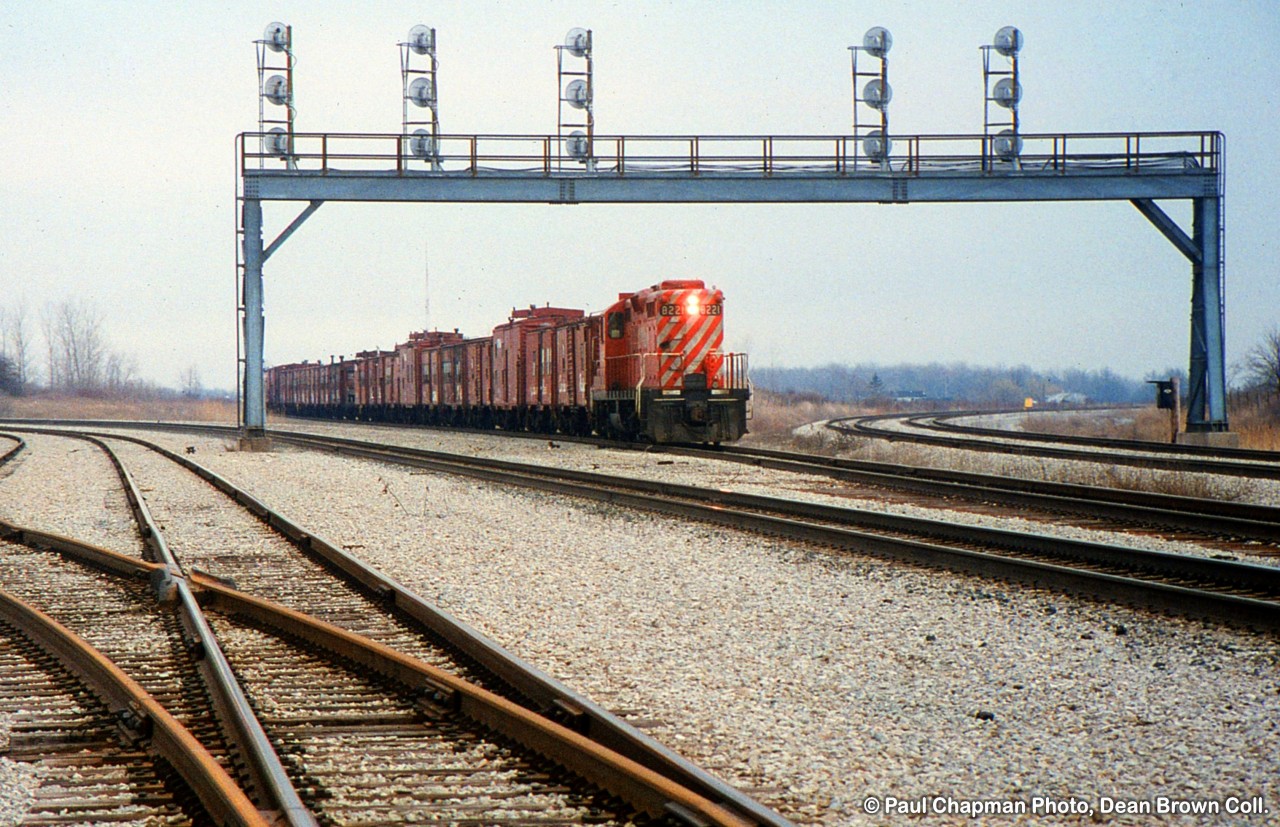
(1165, 393)
(1169, 397)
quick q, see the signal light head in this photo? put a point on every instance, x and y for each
(422, 92)
(278, 142)
(577, 95)
(276, 90)
(1007, 144)
(1008, 41)
(576, 144)
(422, 39)
(877, 41)
(422, 144)
(877, 94)
(276, 37)
(577, 41)
(1007, 93)
(877, 145)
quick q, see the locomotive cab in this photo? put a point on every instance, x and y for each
(665, 375)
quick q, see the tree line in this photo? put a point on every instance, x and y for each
(1001, 387)
(1257, 372)
(63, 348)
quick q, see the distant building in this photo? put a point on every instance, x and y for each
(909, 396)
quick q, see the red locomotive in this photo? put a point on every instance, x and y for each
(650, 366)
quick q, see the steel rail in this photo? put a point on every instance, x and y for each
(641, 787)
(231, 704)
(1210, 517)
(134, 708)
(864, 426)
(946, 422)
(100, 558)
(553, 699)
(12, 451)
(1196, 602)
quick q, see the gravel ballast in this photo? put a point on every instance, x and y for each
(814, 679)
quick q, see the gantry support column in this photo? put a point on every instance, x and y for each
(1207, 394)
(254, 411)
(1207, 384)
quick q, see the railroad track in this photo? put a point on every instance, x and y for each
(1195, 585)
(948, 423)
(1188, 584)
(1121, 508)
(428, 742)
(935, 429)
(104, 748)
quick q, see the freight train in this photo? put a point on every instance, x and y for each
(649, 367)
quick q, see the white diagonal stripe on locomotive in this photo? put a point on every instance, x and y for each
(696, 354)
(690, 327)
(712, 338)
(698, 332)
(667, 366)
(683, 323)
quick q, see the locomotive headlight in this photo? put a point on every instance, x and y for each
(691, 305)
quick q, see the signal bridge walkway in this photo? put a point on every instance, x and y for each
(675, 169)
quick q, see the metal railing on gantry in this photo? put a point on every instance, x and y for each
(333, 153)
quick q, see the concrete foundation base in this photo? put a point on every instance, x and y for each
(1210, 439)
(253, 443)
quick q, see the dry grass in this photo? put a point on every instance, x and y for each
(1257, 423)
(47, 406)
(1101, 473)
(775, 414)
(1147, 424)
(778, 420)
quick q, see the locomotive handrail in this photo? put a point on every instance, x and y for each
(732, 372)
(617, 156)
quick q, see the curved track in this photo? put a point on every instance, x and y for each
(105, 746)
(935, 429)
(644, 792)
(947, 423)
(1150, 510)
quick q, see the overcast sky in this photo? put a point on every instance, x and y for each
(118, 179)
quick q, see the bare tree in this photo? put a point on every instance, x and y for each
(8, 377)
(77, 348)
(190, 383)
(1262, 362)
(119, 373)
(15, 343)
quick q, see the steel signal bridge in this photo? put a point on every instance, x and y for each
(1141, 168)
